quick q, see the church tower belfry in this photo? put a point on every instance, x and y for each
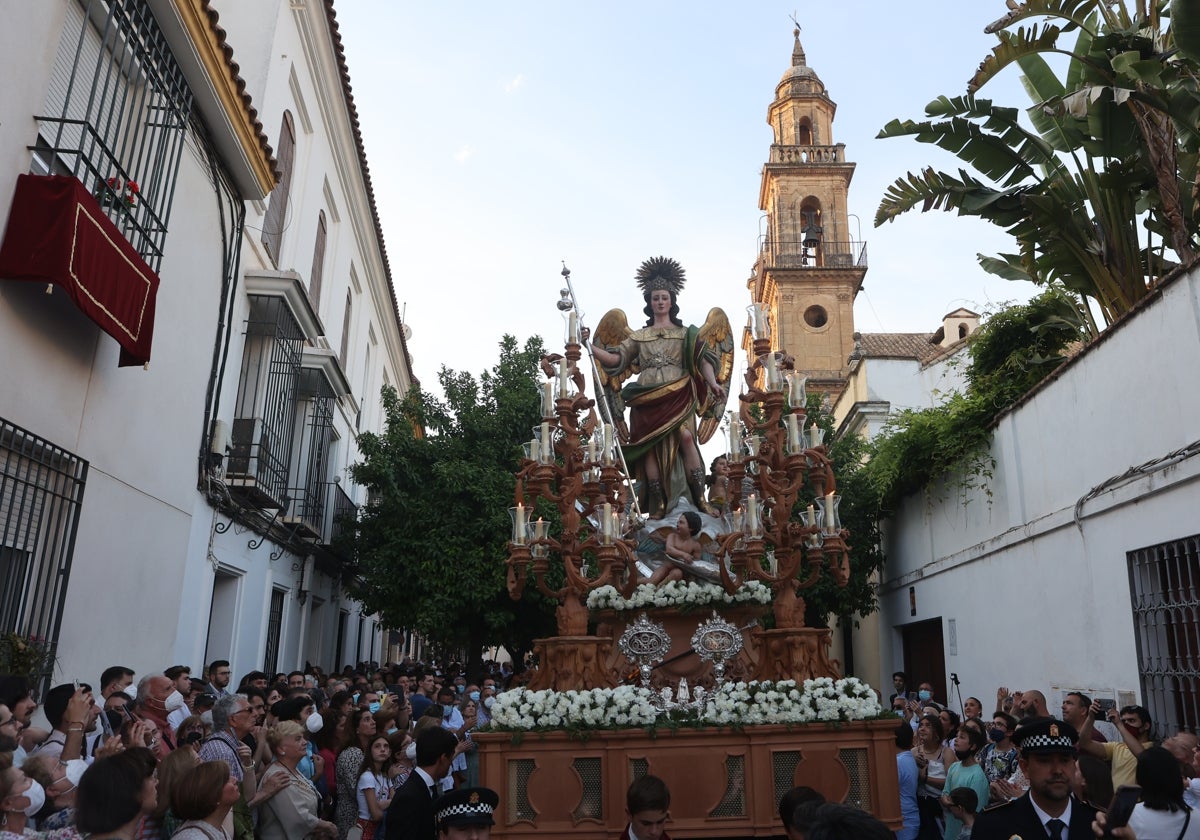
(809, 268)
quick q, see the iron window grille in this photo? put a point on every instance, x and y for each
(274, 631)
(265, 413)
(116, 116)
(310, 464)
(41, 490)
(1163, 582)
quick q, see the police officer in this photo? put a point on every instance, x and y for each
(466, 813)
(1047, 810)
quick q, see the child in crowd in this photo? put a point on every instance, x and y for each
(374, 785)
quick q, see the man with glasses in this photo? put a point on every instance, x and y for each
(219, 676)
(232, 721)
(10, 729)
(1134, 724)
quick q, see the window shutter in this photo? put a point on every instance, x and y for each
(272, 234)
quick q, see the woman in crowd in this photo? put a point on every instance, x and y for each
(973, 708)
(470, 709)
(293, 812)
(203, 796)
(190, 732)
(360, 729)
(178, 764)
(404, 753)
(327, 742)
(933, 758)
(1162, 814)
(116, 794)
(950, 722)
(374, 785)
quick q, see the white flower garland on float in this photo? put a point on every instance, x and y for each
(677, 593)
(822, 700)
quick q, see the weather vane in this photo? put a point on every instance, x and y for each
(793, 17)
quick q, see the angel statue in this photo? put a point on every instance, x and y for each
(683, 375)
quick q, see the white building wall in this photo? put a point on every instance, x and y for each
(1037, 597)
(146, 555)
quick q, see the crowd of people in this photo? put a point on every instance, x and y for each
(369, 753)
(1025, 770)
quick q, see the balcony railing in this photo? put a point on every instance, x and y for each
(808, 154)
(793, 254)
(342, 514)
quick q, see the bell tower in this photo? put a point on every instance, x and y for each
(809, 269)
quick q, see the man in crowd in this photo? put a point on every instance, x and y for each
(152, 693)
(219, 675)
(55, 709)
(900, 687)
(1134, 725)
(1048, 748)
(834, 821)
(797, 806)
(999, 758)
(411, 813)
(424, 695)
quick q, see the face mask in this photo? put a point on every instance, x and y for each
(449, 711)
(37, 798)
(354, 698)
(923, 695)
(373, 707)
(488, 702)
(392, 730)
(963, 755)
(174, 701)
(206, 716)
(460, 688)
(314, 722)
(997, 735)
(75, 769)
(474, 696)
(410, 752)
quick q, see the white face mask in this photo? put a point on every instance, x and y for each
(488, 702)
(36, 794)
(314, 723)
(174, 701)
(410, 751)
(75, 770)
(206, 716)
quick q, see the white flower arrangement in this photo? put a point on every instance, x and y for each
(822, 700)
(677, 593)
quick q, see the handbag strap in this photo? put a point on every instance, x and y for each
(1187, 818)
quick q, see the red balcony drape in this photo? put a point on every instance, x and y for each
(57, 233)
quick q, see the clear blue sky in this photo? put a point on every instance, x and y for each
(505, 138)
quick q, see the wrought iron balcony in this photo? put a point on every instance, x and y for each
(342, 514)
(794, 254)
(808, 154)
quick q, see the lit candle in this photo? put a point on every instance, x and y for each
(591, 450)
(539, 529)
(735, 437)
(547, 399)
(829, 512)
(793, 433)
(606, 524)
(563, 369)
(519, 525)
(752, 514)
(573, 328)
(608, 443)
(812, 516)
(546, 442)
(615, 525)
(772, 372)
(814, 436)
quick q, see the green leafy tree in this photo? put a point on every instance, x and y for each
(431, 547)
(1109, 163)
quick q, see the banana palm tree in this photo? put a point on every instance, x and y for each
(1110, 155)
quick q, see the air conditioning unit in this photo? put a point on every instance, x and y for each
(248, 473)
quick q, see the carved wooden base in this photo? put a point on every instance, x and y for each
(795, 654)
(572, 662)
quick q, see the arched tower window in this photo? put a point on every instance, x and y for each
(962, 331)
(809, 236)
(804, 132)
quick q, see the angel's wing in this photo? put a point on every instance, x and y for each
(715, 342)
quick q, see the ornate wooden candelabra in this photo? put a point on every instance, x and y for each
(571, 462)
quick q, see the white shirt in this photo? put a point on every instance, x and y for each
(1065, 816)
(1149, 824)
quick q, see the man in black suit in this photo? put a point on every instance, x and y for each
(1047, 810)
(410, 816)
